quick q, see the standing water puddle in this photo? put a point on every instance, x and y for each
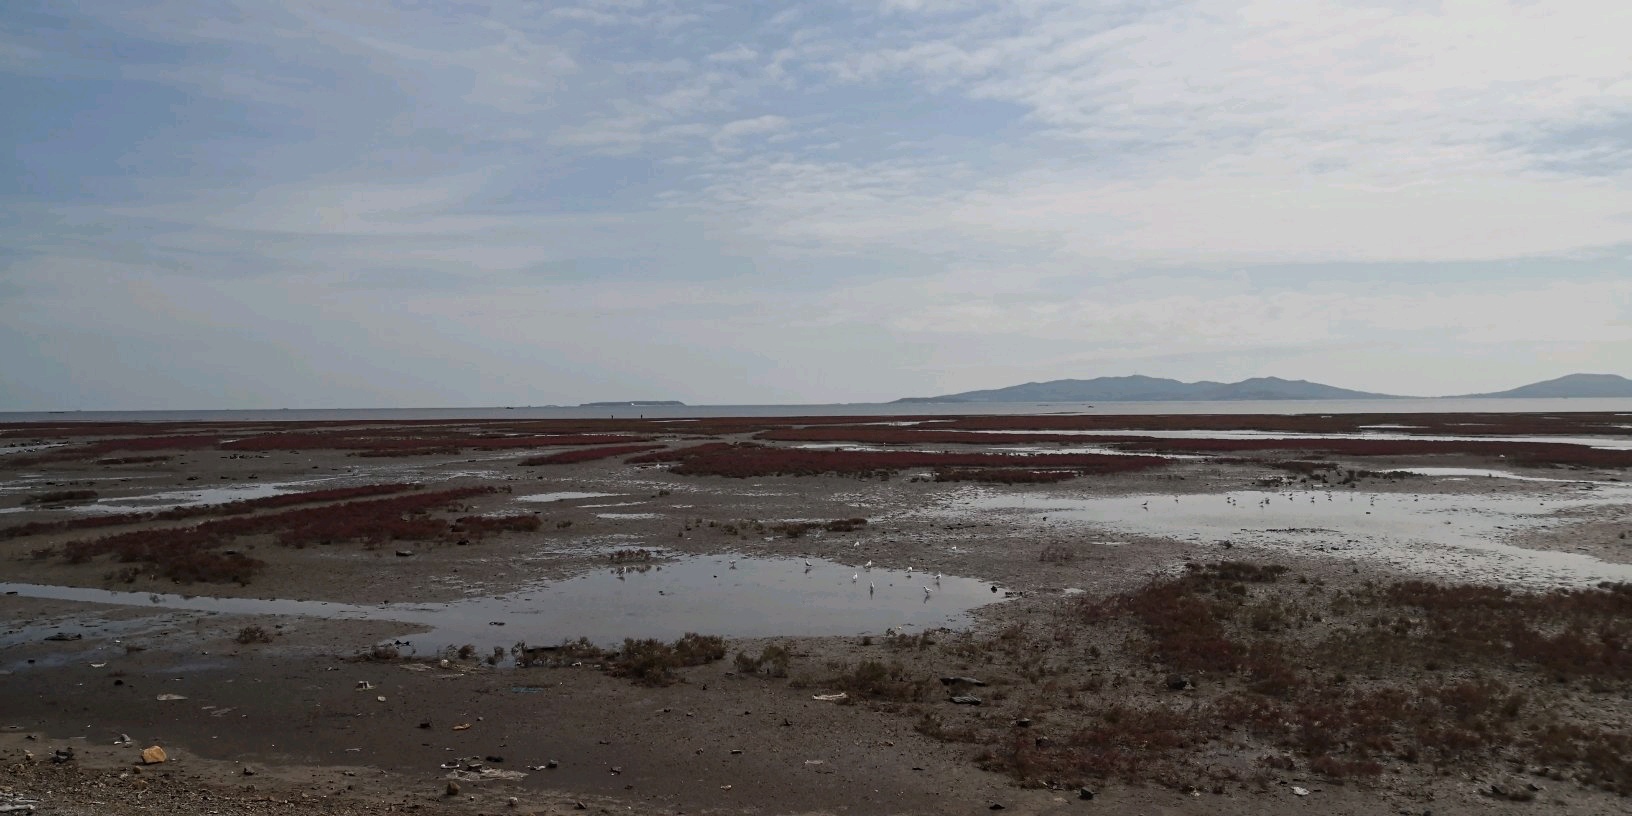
(1453, 535)
(713, 595)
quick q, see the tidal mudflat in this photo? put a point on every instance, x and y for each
(1188, 615)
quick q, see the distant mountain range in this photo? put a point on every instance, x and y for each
(1156, 389)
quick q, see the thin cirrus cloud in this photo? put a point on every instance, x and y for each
(512, 203)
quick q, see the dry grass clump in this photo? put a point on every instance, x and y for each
(253, 634)
(797, 529)
(484, 525)
(132, 460)
(652, 662)
(568, 652)
(773, 660)
(60, 496)
(873, 680)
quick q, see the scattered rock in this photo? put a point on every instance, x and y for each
(1179, 682)
(1085, 793)
(248, 771)
(966, 699)
(462, 727)
(1023, 722)
(154, 756)
(963, 681)
(62, 755)
(405, 553)
(64, 636)
(1297, 791)
(452, 789)
(167, 698)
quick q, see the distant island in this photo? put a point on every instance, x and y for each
(1138, 388)
(632, 404)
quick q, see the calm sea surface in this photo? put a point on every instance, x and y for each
(1384, 406)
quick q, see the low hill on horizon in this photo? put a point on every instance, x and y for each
(1569, 385)
(1138, 388)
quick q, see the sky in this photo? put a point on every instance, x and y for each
(364, 203)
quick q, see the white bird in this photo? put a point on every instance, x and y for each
(733, 563)
(869, 587)
(867, 566)
(855, 578)
(807, 562)
(928, 591)
(937, 579)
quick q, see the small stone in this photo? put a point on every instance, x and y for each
(452, 789)
(579, 806)
(1023, 722)
(996, 806)
(248, 771)
(404, 553)
(513, 802)
(1085, 793)
(1178, 682)
(154, 756)
(966, 699)
(552, 765)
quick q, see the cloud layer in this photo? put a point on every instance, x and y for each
(361, 202)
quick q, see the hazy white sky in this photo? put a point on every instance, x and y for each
(351, 203)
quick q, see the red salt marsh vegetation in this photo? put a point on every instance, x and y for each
(188, 554)
(223, 509)
(587, 455)
(375, 443)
